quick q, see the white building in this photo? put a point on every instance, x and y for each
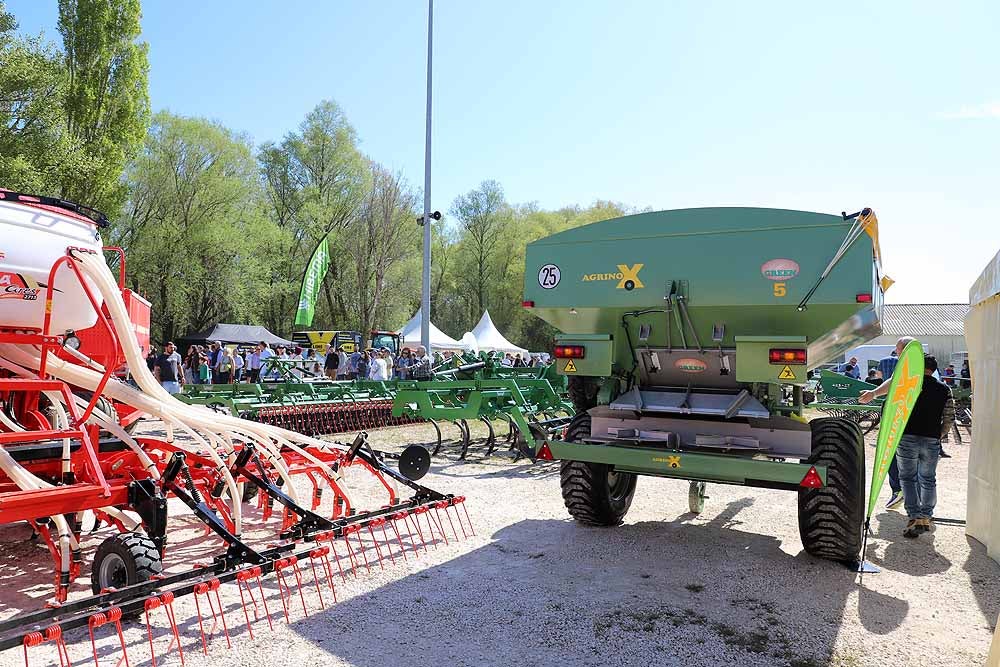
(939, 325)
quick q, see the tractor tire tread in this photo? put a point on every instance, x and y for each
(830, 518)
(584, 492)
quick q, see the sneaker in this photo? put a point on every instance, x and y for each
(895, 500)
(913, 529)
(945, 455)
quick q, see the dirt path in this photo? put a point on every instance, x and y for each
(728, 587)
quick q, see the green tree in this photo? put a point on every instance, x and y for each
(314, 183)
(107, 103)
(34, 148)
(195, 230)
(483, 216)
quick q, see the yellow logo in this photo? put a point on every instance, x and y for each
(786, 373)
(674, 461)
(627, 277)
(570, 367)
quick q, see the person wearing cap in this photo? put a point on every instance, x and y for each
(168, 370)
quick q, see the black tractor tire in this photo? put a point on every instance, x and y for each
(124, 559)
(582, 392)
(831, 518)
(594, 493)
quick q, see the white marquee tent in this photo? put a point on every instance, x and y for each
(439, 340)
(488, 338)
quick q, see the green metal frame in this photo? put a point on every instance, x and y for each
(719, 468)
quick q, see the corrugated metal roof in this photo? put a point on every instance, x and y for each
(924, 319)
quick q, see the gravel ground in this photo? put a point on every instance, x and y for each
(728, 587)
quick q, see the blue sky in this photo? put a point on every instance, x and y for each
(893, 105)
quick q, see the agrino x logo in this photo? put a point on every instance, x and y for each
(627, 277)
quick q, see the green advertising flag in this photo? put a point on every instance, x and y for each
(313, 278)
(907, 381)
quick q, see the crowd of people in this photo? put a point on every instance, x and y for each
(877, 374)
(216, 363)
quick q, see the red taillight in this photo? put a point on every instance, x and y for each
(864, 298)
(544, 453)
(812, 479)
(528, 304)
(569, 352)
(782, 356)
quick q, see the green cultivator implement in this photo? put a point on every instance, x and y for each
(464, 390)
(687, 340)
(838, 397)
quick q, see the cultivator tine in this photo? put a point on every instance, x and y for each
(381, 522)
(357, 531)
(460, 500)
(243, 582)
(53, 633)
(112, 615)
(284, 591)
(324, 554)
(378, 548)
(206, 588)
(444, 505)
(393, 519)
(350, 550)
(166, 601)
(417, 511)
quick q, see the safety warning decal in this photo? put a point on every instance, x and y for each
(786, 373)
(570, 367)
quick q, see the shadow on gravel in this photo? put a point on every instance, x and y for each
(984, 579)
(550, 592)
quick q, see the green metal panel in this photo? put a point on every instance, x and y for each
(754, 361)
(687, 465)
(742, 267)
(598, 355)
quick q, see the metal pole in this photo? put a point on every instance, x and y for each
(425, 301)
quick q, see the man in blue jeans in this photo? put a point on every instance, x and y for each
(932, 418)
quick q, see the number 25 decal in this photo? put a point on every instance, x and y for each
(780, 289)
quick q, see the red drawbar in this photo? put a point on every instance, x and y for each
(812, 479)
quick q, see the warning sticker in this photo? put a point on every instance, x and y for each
(786, 373)
(570, 367)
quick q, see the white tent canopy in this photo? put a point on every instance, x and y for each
(489, 338)
(439, 340)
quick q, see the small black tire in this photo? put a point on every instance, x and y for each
(831, 518)
(582, 392)
(594, 493)
(124, 559)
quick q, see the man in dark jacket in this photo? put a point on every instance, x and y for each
(932, 418)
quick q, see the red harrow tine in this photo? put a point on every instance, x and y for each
(166, 601)
(378, 549)
(329, 537)
(414, 525)
(284, 591)
(243, 581)
(51, 633)
(324, 553)
(381, 522)
(460, 500)
(112, 615)
(348, 530)
(430, 529)
(205, 588)
(393, 519)
(444, 505)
